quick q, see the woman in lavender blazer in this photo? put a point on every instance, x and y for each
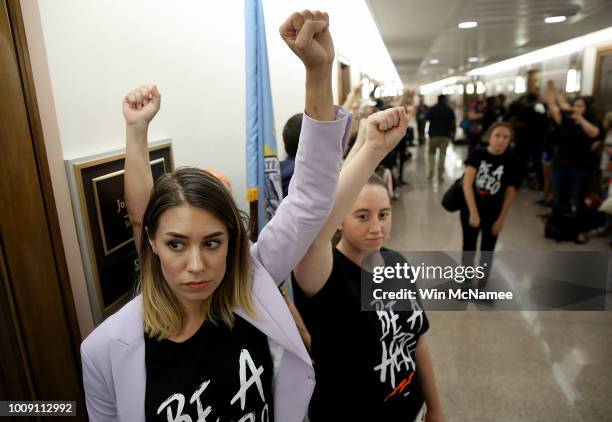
(117, 377)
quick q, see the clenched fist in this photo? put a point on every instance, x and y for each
(307, 34)
(141, 105)
(386, 128)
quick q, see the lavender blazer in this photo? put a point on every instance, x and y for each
(113, 355)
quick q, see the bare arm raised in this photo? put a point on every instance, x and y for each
(285, 239)
(139, 108)
(383, 131)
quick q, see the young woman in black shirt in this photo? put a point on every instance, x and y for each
(492, 176)
(372, 366)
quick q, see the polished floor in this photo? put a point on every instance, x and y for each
(506, 366)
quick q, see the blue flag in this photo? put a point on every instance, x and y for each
(263, 167)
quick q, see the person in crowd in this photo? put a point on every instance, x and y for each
(530, 125)
(606, 170)
(352, 103)
(606, 157)
(492, 177)
(194, 342)
(501, 101)
(403, 154)
(472, 126)
(548, 149)
(442, 129)
(577, 132)
(421, 118)
(368, 385)
(291, 137)
(490, 113)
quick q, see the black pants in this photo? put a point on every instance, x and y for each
(402, 159)
(470, 238)
(531, 150)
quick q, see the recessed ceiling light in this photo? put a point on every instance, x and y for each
(473, 59)
(555, 19)
(467, 25)
(434, 61)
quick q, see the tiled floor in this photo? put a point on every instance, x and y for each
(506, 366)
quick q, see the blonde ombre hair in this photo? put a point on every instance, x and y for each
(163, 315)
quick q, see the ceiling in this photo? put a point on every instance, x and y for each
(417, 31)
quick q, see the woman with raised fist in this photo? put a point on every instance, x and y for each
(193, 344)
(370, 366)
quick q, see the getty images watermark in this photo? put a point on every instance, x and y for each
(506, 281)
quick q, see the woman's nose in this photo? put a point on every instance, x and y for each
(196, 263)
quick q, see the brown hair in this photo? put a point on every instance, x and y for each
(163, 314)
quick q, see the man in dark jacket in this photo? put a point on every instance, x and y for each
(441, 131)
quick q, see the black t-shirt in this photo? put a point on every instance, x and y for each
(494, 173)
(573, 145)
(221, 373)
(365, 362)
(441, 121)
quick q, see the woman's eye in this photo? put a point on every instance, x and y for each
(175, 245)
(384, 215)
(212, 244)
(362, 217)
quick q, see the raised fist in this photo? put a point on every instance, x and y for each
(141, 105)
(386, 128)
(307, 35)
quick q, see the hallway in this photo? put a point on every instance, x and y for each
(511, 366)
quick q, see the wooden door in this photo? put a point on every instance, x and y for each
(39, 335)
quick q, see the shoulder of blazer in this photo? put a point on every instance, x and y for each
(124, 326)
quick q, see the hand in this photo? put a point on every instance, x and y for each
(474, 220)
(141, 105)
(497, 227)
(550, 85)
(385, 129)
(307, 35)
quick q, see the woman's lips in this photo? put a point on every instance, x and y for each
(196, 285)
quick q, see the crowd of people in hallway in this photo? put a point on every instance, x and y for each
(202, 336)
(560, 146)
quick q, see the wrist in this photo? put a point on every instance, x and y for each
(136, 132)
(321, 73)
(319, 98)
(139, 126)
(374, 152)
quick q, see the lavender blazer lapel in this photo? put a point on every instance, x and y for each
(128, 365)
(273, 316)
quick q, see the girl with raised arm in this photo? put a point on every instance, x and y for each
(370, 366)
